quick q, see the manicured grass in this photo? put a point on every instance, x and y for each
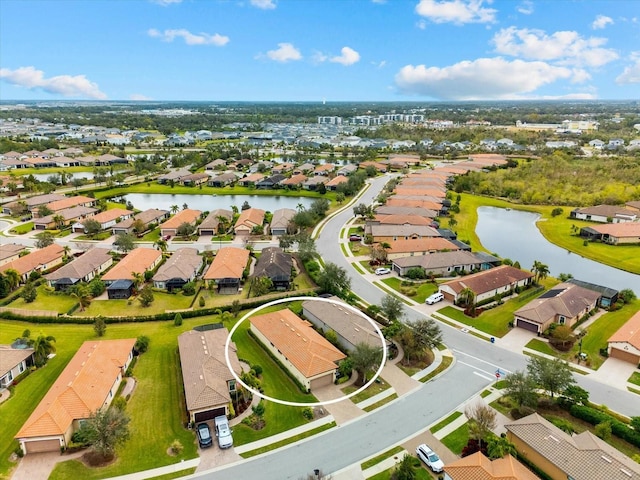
(46, 300)
(152, 236)
(81, 169)
(380, 403)
(440, 425)
(357, 266)
(540, 346)
(390, 291)
(500, 385)
(96, 237)
(457, 439)
(276, 383)
(380, 458)
(364, 264)
(359, 249)
(343, 247)
(287, 441)
(446, 361)
(371, 391)
(423, 290)
(133, 308)
(421, 473)
(634, 378)
(22, 229)
(181, 473)
(156, 407)
(485, 393)
(111, 205)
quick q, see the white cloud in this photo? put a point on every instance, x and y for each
(348, 56)
(165, 3)
(580, 75)
(264, 4)
(421, 24)
(285, 52)
(565, 47)
(138, 97)
(456, 11)
(319, 57)
(189, 38)
(601, 22)
(570, 96)
(631, 73)
(66, 85)
(526, 7)
(484, 78)
(380, 64)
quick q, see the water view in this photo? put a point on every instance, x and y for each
(164, 201)
(513, 234)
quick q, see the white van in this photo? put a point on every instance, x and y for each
(223, 432)
(434, 298)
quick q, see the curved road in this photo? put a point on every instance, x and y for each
(340, 447)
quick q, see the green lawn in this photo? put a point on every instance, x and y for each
(634, 378)
(275, 383)
(380, 458)
(96, 237)
(34, 171)
(156, 407)
(457, 439)
(422, 290)
(421, 473)
(445, 422)
(372, 390)
(46, 300)
(287, 441)
(22, 229)
(540, 346)
(132, 307)
(152, 236)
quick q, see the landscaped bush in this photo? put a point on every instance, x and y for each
(307, 413)
(595, 417)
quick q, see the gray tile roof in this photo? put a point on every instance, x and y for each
(83, 265)
(184, 263)
(274, 263)
(565, 299)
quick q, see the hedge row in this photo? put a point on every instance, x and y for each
(618, 428)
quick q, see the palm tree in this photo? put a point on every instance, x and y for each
(161, 244)
(13, 277)
(138, 279)
(234, 209)
(66, 249)
(300, 207)
(223, 224)
(468, 296)
(42, 347)
(59, 221)
(185, 206)
(81, 293)
(174, 209)
(498, 447)
(540, 270)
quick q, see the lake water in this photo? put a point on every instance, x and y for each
(513, 234)
(44, 177)
(164, 201)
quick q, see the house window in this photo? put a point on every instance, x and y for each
(561, 320)
(21, 367)
(232, 385)
(10, 376)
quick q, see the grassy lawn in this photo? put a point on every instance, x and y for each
(359, 249)
(97, 236)
(111, 205)
(422, 290)
(156, 407)
(445, 422)
(383, 456)
(46, 300)
(152, 236)
(380, 385)
(287, 441)
(275, 383)
(446, 361)
(457, 439)
(421, 473)
(116, 308)
(22, 229)
(540, 346)
(634, 378)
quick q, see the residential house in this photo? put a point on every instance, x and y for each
(251, 180)
(68, 202)
(283, 167)
(170, 227)
(248, 220)
(625, 343)
(419, 246)
(351, 328)
(605, 214)
(312, 183)
(88, 383)
(418, 211)
(335, 182)
(194, 179)
(174, 176)
(223, 180)
(14, 360)
(227, 269)
(635, 206)
(295, 180)
(347, 169)
(217, 164)
(281, 220)
(306, 354)
(120, 289)
(400, 220)
(419, 190)
(562, 456)
(30, 204)
(106, 219)
(148, 217)
(211, 224)
(395, 201)
(208, 382)
(324, 169)
(614, 233)
(391, 233)
(304, 169)
(137, 261)
(37, 261)
(275, 265)
(380, 167)
(478, 467)
(10, 252)
(182, 267)
(272, 181)
(486, 284)
(82, 269)
(608, 296)
(66, 216)
(597, 144)
(446, 264)
(564, 304)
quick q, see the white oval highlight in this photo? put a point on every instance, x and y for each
(301, 404)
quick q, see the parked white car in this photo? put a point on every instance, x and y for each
(223, 432)
(382, 271)
(434, 298)
(430, 458)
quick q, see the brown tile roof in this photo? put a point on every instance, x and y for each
(488, 158)
(229, 262)
(137, 261)
(629, 332)
(9, 250)
(607, 211)
(212, 219)
(274, 264)
(309, 352)
(423, 212)
(183, 263)
(569, 300)
(204, 369)
(619, 230)
(487, 280)
(183, 216)
(478, 467)
(429, 244)
(34, 259)
(148, 216)
(67, 214)
(339, 180)
(254, 177)
(282, 217)
(83, 265)
(110, 215)
(82, 387)
(250, 218)
(10, 357)
(440, 260)
(295, 179)
(69, 202)
(581, 456)
(401, 202)
(38, 200)
(404, 230)
(398, 219)
(420, 190)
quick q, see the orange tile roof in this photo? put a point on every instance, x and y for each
(229, 262)
(399, 202)
(136, 261)
(397, 219)
(422, 245)
(82, 387)
(109, 215)
(69, 202)
(420, 190)
(309, 352)
(250, 218)
(183, 216)
(487, 280)
(629, 332)
(295, 179)
(479, 467)
(34, 259)
(337, 181)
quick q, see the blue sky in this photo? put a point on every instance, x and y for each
(309, 50)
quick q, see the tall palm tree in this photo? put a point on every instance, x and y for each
(42, 347)
(13, 277)
(185, 206)
(161, 244)
(174, 209)
(468, 296)
(223, 224)
(66, 249)
(82, 294)
(59, 221)
(138, 279)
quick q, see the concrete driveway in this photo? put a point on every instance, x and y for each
(37, 466)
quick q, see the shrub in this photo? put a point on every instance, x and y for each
(177, 320)
(189, 289)
(307, 413)
(120, 403)
(201, 302)
(142, 344)
(618, 428)
(603, 430)
(176, 447)
(257, 369)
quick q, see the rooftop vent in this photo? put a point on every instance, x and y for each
(606, 459)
